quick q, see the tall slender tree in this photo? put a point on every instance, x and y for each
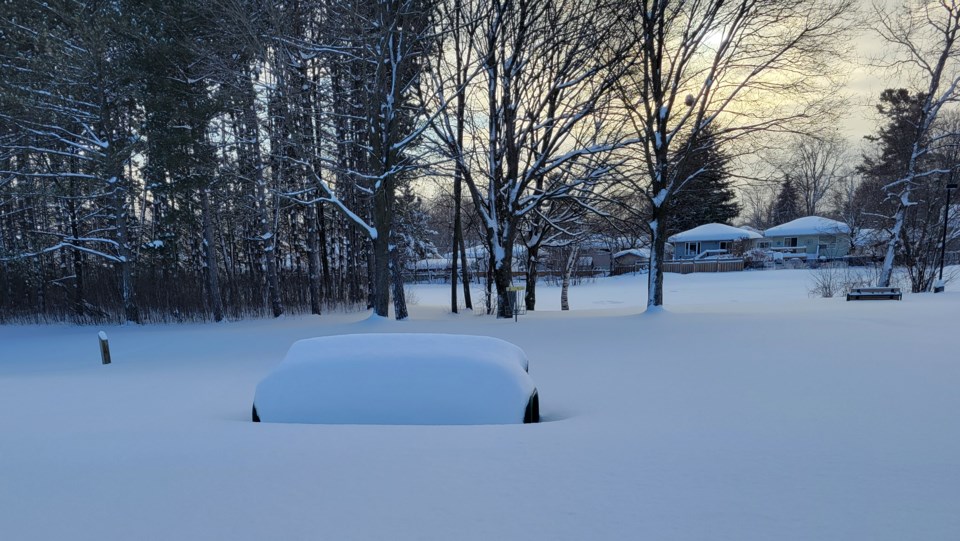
(736, 68)
(925, 36)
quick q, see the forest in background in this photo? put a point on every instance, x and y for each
(176, 161)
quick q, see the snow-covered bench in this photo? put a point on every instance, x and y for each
(399, 379)
(874, 293)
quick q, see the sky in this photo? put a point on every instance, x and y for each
(864, 85)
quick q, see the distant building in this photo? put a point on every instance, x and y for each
(809, 237)
(632, 260)
(711, 239)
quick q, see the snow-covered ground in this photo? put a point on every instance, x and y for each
(745, 411)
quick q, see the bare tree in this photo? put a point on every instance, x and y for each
(924, 35)
(537, 106)
(455, 67)
(735, 68)
(757, 198)
(817, 164)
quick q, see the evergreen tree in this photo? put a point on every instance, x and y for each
(413, 232)
(707, 196)
(786, 207)
(918, 246)
(893, 148)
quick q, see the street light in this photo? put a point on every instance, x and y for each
(946, 220)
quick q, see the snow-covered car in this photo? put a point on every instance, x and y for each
(399, 379)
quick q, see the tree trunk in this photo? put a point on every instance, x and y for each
(457, 234)
(250, 161)
(503, 278)
(886, 272)
(533, 263)
(118, 200)
(270, 257)
(467, 298)
(381, 276)
(78, 301)
(657, 254)
(458, 173)
(567, 271)
(313, 259)
(210, 251)
(399, 298)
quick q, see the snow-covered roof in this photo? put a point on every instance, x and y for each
(808, 225)
(710, 232)
(408, 378)
(639, 252)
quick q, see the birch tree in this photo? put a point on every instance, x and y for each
(919, 244)
(924, 36)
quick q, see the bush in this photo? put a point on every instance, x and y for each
(757, 258)
(836, 278)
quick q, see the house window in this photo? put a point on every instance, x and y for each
(693, 248)
(763, 244)
(725, 245)
(790, 241)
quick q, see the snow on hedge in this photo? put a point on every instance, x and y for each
(413, 379)
(708, 232)
(808, 225)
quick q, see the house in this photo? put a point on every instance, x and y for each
(809, 237)
(712, 239)
(632, 260)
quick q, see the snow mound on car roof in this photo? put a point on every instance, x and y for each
(397, 379)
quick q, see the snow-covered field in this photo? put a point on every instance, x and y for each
(745, 411)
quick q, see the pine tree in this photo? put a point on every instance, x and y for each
(707, 195)
(918, 245)
(786, 207)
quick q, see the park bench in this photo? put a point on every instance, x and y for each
(874, 293)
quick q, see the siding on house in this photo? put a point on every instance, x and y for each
(690, 243)
(689, 250)
(815, 236)
(815, 245)
(629, 261)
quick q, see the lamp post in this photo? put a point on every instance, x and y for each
(946, 220)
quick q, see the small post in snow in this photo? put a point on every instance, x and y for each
(104, 348)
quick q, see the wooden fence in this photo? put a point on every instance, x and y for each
(716, 265)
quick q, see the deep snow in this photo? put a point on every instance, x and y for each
(746, 410)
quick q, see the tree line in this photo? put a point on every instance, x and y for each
(173, 160)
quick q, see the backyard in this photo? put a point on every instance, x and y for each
(746, 410)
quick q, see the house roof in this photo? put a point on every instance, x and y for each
(710, 232)
(808, 225)
(639, 252)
